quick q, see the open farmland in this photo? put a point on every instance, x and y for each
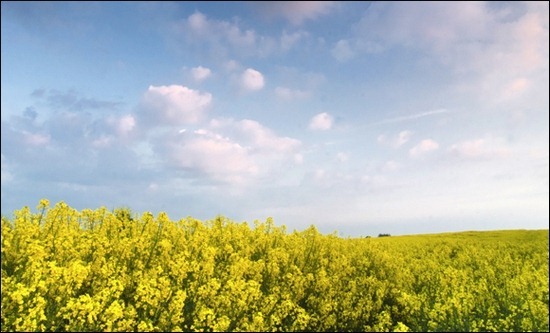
(102, 270)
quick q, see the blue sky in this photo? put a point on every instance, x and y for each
(357, 117)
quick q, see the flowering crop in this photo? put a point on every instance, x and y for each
(101, 270)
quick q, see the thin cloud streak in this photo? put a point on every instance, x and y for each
(411, 117)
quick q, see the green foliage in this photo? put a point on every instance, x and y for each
(101, 270)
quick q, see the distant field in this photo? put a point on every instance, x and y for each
(101, 270)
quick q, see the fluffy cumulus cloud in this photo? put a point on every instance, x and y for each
(207, 153)
(265, 139)
(229, 151)
(174, 105)
(322, 122)
(123, 125)
(423, 147)
(201, 73)
(114, 130)
(107, 145)
(252, 80)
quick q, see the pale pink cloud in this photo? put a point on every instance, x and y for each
(296, 12)
(322, 121)
(201, 73)
(125, 124)
(424, 147)
(476, 40)
(36, 139)
(480, 149)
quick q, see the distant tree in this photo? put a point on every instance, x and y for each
(384, 235)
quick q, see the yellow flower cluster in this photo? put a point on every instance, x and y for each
(101, 270)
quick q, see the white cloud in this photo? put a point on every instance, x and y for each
(256, 136)
(201, 73)
(264, 139)
(252, 80)
(198, 22)
(175, 104)
(322, 121)
(117, 128)
(211, 154)
(424, 147)
(229, 151)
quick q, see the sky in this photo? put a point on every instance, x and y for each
(357, 117)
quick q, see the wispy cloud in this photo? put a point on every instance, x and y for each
(296, 12)
(397, 141)
(484, 148)
(342, 51)
(290, 94)
(412, 117)
(222, 39)
(474, 40)
(72, 101)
